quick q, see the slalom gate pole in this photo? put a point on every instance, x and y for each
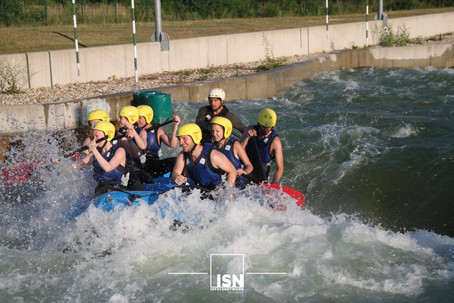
(326, 12)
(75, 37)
(136, 76)
(367, 23)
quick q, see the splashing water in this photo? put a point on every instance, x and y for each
(371, 149)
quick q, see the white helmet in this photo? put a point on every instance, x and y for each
(217, 93)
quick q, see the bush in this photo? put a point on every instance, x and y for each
(270, 10)
(11, 11)
(389, 38)
(12, 77)
(270, 62)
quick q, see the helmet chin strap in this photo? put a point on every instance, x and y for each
(193, 148)
(104, 145)
(217, 142)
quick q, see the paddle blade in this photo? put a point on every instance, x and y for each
(299, 197)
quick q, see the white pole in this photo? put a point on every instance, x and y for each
(75, 37)
(134, 44)
(326, 12)
(367, 23)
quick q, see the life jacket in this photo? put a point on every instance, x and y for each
(153, 147)
(203, 172)
(263, 146)
(119, 175)
(228, 152)
(153, 150)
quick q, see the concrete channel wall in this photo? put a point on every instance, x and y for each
(70, 114)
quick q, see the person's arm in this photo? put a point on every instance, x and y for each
(130, 147)
(141, 144)
(108, 166)
(143, 135)
(86, 141)
(173, 141)
(132, 134)
(178, 169)
(236, 123)
(241, 153)
(220, 161)
(201, 121)
(276, 148)
(247, 134)
(88, 159)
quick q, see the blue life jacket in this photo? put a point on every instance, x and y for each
(117, 176)
(203, 173)
(264, 146)
(228, 152)
(130, 157)
(153, 147)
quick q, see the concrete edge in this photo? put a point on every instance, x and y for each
(71, 114)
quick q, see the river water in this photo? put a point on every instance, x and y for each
(373, 150)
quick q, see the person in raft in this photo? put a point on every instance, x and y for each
(92, 118)
(263, 145)
(202, 163)
(131, 142)
(216, 98)
(221, 130)
(149, 160)
(109, 161)
(96, 116)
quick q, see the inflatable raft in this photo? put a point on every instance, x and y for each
(151, 193)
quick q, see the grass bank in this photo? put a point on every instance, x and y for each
(52, 37)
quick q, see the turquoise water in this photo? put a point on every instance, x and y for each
(373, 150)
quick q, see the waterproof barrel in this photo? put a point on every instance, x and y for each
(161, 104)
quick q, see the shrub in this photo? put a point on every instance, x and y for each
(270, 62)
(12, 77)
(387, 36)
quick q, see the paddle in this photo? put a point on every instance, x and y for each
(160, 125)
(85, 147)
(133, 197)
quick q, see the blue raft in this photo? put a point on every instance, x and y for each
(151, 193)
(111, 200)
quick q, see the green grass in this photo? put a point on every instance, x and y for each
(20, 39)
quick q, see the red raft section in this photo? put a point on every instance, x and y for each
(16, 173)
(299, 197)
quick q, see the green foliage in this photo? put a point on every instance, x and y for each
(387, 36)
(19, 12)
(11, 11)
(12, 77)
(270, 10)
(401, 5)
(270, 62)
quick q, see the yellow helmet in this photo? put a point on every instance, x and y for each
(267, 117)
(224, 122)
(130, 112)
(145, 111)
(106, 127)
(192, 130)
(97, 114)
